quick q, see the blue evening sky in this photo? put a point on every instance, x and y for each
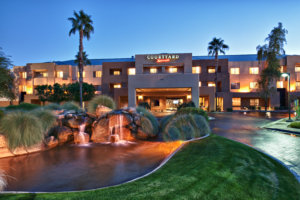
(37, 30)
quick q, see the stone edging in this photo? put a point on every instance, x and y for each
(132, 180)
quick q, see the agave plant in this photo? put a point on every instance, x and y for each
(22, 129)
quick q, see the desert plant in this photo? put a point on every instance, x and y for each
(295, 125)
(52, 106)
(192, 110)
(297, 112)
(22, 106)
(46, 117)
(164, 121)
(146, 126)
(144, 105)
(101, 100)
(70, 105)
(185, 127)
(22, 129)
(151, 117)
(186, 104)
(1, 113)
(3, 182)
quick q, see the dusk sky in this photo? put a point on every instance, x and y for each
(34, 31)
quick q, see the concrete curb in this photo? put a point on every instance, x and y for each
(132, 180)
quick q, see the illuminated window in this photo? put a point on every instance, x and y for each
(117, 85)
(83, 74)
(59, 74)
(282, 69)
(235, 86)
(236, 101)
(279, 84)
(297, 83)
(200, 84)
(253, 70)
(117, 72)
(23, 74)
(254, 102)
(131, 71)
(235, 70)
(97, 74)
(173, 70)
(297, 68)
(211, 84)
(211, 69)
(253, 85)
(196, 70)
(45, 74)
(153, 70)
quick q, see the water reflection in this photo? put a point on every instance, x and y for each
(74, 167)
(246, 129)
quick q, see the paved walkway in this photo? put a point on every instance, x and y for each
(281, 125)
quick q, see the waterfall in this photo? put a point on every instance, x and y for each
(81, 133)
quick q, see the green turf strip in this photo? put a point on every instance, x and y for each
(212, 168)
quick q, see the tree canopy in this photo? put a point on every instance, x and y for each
(6, 77)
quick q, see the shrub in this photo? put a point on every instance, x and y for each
(46, 117)
(22, 106)
(192, 110)
(1, 113)
(295, 125)
(186, 104)
(70, 105)
(144, 105)
(229, 109)
(151, 117)
(163, 122)
(147, 126)
(53, 106)
(22, 129)
(3, 182)
(101, 100)
(185, 127)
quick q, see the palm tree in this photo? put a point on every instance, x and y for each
(82, 23)
(215, 47)
(85, 59)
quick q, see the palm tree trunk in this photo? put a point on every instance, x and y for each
(80, 67)
(216, 80)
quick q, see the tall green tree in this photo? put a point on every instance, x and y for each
(270, 54)
(6, 77)
(215, 47)
(82, 23)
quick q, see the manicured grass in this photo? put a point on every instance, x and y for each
(213, 168)
(295, 125)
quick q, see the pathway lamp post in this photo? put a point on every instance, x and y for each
(289, 90)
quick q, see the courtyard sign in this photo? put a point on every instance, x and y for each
(163, 57)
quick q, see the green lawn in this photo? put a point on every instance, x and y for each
(213, 168)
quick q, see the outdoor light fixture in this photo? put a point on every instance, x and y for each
(188, 96)
(140, 97)
(289, 99)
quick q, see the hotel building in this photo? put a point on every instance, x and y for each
(166, 80)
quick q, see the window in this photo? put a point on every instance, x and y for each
(199, 83)
(59, 74)
(253, 70)
(115, 72)
(297, 68)
(117, 85)
(254, 102)
(23, 74)
(235, 86)
(236, 101)
(196, 70)
(298, 84)
(23, 88)
(83, 74)
(153, 70)
(253, 85)
(172, 70)
(282, 69)
(97, 74)
(211, 69)
(211, 84)
(131, 71)
(235, 70)
(279, 84)
(44, 74)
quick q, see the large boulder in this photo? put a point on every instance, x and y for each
(100, 131)
(102, 110)
(51, 142)
(64, 134)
